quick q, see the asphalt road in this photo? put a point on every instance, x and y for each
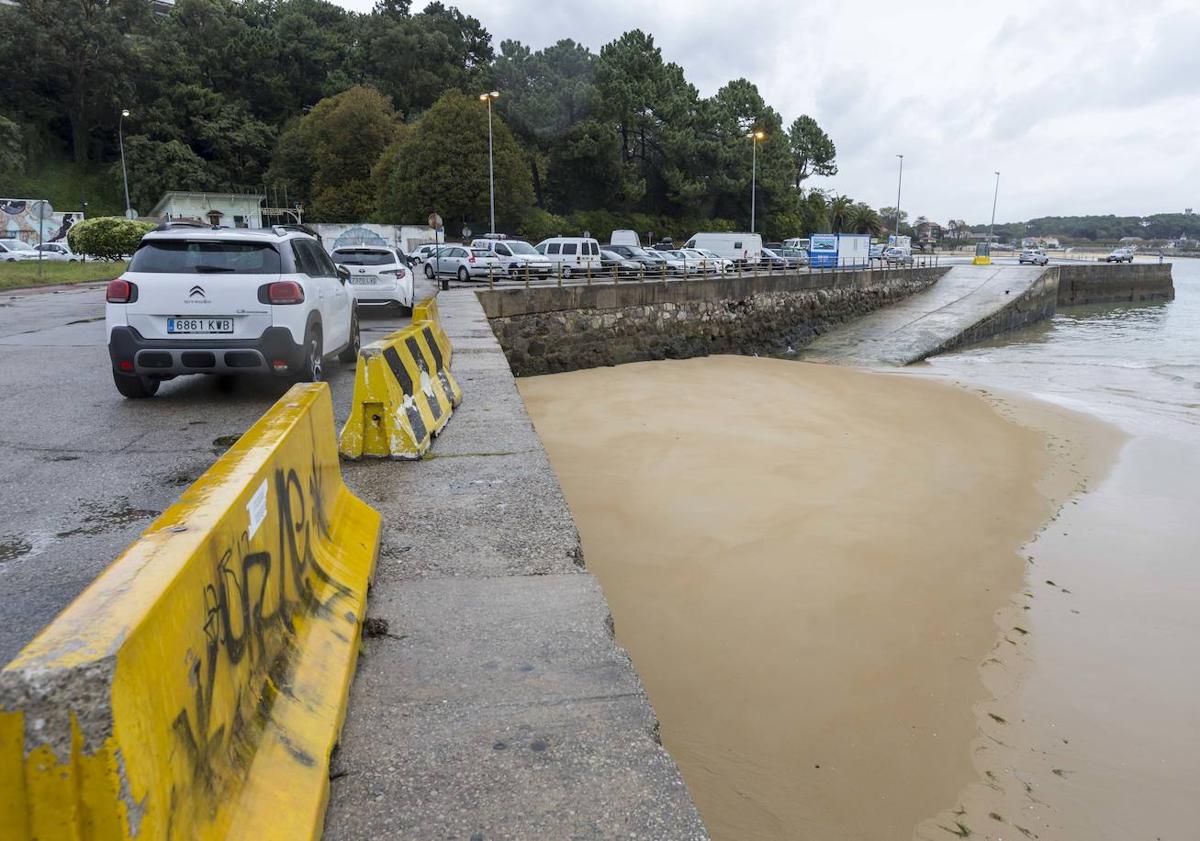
(83, 470)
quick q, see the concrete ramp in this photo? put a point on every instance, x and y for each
(968, 304)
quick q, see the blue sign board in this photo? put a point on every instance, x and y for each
(823, 251)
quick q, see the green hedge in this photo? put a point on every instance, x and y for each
(107, 237)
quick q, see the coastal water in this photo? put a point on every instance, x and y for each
(1135, 366)
(1093, 731)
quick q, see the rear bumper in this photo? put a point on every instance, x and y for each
(171, 357)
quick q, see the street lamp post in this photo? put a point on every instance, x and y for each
(488, 97)
(992, 227)
(899, 182)
(124, 173)
(754, 136)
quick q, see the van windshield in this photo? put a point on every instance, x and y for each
(518, 247)
(162, 256)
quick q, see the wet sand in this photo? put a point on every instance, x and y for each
(809, 565)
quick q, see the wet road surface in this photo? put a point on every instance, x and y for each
(83, 470)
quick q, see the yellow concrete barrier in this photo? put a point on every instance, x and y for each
(197, 687)
(404, 392)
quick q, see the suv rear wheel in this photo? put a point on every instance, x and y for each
(349, 353)
(135, 387)
(313, 366)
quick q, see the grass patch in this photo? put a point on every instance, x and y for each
(22, 275)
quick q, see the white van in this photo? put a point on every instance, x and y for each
(571, 255)
(625, 237)
(743, 249)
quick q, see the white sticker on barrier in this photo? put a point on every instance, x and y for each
(257, 508)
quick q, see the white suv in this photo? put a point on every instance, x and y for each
(379, 275)
(199, 300)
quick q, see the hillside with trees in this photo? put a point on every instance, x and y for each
(376, 116)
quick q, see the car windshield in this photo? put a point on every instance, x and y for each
(363, 257)
(15, 245)
(196, 257)
(769, 253)
(518, 247)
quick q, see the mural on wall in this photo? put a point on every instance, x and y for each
(34, 221)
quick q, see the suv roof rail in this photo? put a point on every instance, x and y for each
(182, 223)
(303, 229)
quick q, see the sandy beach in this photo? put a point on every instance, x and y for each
(810, 566)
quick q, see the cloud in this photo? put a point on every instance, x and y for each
(1085, 107)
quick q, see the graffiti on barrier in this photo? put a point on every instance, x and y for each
(251, 607)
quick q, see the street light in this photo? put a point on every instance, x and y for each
(992, 227)
(124, 174)
(754, 137)
(488, 97)
(899, 181)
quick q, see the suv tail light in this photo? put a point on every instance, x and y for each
(283, 292)
(120, 291)
(399, 273)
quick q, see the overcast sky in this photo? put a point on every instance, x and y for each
(1084, 107)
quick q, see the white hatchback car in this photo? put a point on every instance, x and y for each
(199, 300)
(59, 252)
(14, 250)
(379, 275)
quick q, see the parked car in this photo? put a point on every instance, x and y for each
(743, 249)
(796, 258)
(422, 252)
(1120, 255)
(714, 260)
(898, 256)
(572, 255)
(60, 252)
(652, 262)
(876, 251)
(797, 242)
(692, 261)
(227, 301)
(379, 275)
(1034, 257)
(611, 261)
(518, 257)
(14, 250)
(772, 261)
(463, 263)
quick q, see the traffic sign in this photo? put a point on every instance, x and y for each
(435, 221)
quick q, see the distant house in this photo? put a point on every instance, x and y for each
(235, 210)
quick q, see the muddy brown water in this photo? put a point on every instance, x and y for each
(809, 566)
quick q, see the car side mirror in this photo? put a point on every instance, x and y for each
(343, 274)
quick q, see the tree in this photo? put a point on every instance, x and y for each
(543, 95)
(441, 163)
(813, 153)
(12, 154)
(653, 110)
(326, 158)
(155, 166)
(81, 50)
(585, 171)
(413, 59)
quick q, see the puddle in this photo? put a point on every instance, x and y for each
(102, 517)
(13, 547)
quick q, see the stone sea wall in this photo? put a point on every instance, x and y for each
(547, 330)
(1114, 283)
